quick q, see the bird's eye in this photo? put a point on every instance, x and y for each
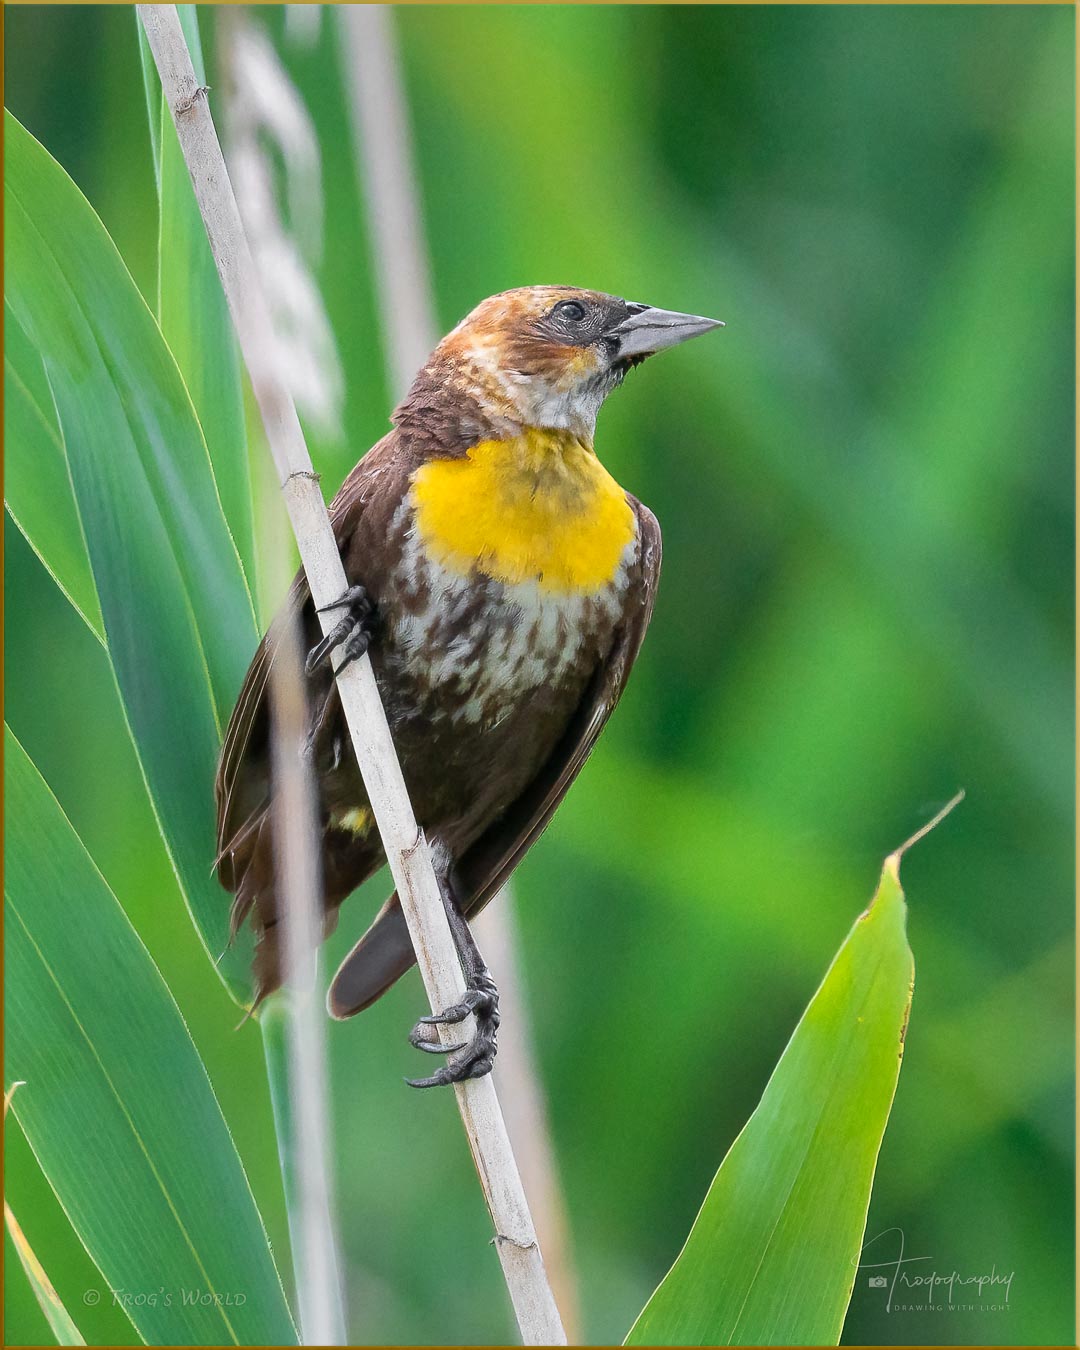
(570, 311)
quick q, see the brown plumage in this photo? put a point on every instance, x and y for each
(512, 582)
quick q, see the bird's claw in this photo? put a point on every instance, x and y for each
(480, 999)
(352, 633)
(456, 1073)
(355, 599)
(431, 1047)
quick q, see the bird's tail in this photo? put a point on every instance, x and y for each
(255, 901)
(381, 957)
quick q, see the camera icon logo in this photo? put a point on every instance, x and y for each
(878, 1282)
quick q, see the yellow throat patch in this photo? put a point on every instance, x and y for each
(540, 507)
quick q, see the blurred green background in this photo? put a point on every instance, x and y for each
(866, 490)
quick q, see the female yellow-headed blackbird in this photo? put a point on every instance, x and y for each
(504, 581)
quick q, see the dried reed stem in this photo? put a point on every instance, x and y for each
(303, 1124)
(406, 849)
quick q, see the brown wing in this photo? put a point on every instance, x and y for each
(242, 786)
(385, 951)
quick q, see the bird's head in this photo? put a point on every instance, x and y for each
(548, 356)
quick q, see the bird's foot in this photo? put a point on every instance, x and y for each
(478, 1055)
(353, 633)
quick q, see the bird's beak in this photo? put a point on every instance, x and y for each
(649, 330)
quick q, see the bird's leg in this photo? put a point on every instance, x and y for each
(353, 633)
(481, 998)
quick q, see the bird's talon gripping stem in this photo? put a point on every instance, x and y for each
(355, 598)
(432, 1047)
(352, 633)
(475, 1000)
(323, 648)
(482, 1000)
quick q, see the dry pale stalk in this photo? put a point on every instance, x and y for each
(406, 849)
(380, 124)
(297, 865)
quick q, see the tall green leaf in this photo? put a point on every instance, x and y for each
(772, 1256)
(154, 1188)
(191, 305)
(49, 1301)
(37, 488)
(177, 613)
(57, 1316)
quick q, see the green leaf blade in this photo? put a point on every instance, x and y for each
(773, 1254)
(37, 487)
(177, 613)
(49, 1301)
(176, 1227)
(77, 303)
(53, 1310)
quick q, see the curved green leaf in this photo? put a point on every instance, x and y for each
(37, 488)
(155, 1190)
(191, 306)
(772, 1256)
(57, 1316)
(49, 1301)
(112, 374)
(177, 614)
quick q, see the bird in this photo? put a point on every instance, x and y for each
(501, 581)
